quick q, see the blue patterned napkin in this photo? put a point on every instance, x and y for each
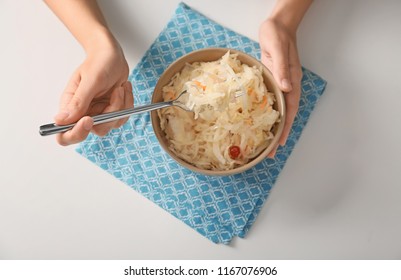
(217, 207)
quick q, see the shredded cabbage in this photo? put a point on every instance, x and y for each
(220, 120)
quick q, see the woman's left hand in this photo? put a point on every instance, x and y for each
(280, 55)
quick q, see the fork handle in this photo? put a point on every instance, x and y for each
(52, 128)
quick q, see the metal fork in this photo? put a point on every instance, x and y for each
(52, 128)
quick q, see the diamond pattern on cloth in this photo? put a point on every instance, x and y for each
(217, 207)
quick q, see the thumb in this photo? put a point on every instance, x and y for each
(281, 70)
(76, 103)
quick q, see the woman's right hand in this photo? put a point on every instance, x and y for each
(99, 85)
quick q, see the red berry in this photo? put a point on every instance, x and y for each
(234, 152)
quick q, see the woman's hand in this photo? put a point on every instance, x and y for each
(277, 38)
(99, 85)
(280, 55)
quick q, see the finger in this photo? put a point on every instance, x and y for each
(128, 101)
(273, 152)
(77, 134)
(116, 103)
(75, 104)
(281, 67)
(292, 105)
(70, 89)
(266, 60)
(292, 99)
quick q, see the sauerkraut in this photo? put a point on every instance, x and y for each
(232, 116)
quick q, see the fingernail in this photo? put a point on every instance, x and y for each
(88, 123)
(286, 84)
(62, 115)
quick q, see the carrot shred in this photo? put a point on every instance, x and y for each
(170, 95)
(264, 102)
(250, 91)
(199, 84)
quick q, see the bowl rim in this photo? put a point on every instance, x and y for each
(280, 104)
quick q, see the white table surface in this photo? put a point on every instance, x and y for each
(338, 197)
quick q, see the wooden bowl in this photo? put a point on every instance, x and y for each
(213, 54)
